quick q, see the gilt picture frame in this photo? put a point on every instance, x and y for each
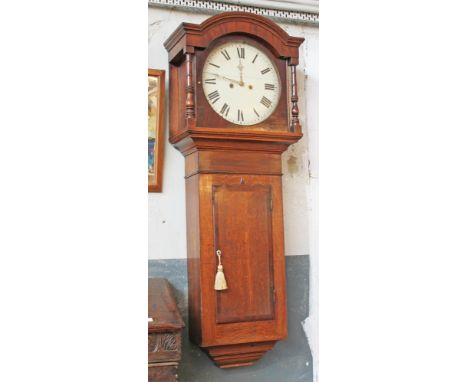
(156, 92)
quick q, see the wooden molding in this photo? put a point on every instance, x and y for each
(238, 355)
(188, 37)
(226, 139)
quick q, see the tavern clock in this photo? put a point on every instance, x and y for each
(233, 111)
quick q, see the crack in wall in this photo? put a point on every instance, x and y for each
(153, 28)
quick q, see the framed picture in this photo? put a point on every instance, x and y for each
(155, 129)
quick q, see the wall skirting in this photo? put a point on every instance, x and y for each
(213, 7)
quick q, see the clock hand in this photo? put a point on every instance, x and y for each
(240, 72)
(226, 78)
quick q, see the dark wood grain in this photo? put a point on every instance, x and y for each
(232, 162)
(201, 236)
(238, 355)
(162, 373)
(194, 270)
(238, 332)
(164, 332)
(189, 37)
(233, 194)
(242, 225)
(162, 307)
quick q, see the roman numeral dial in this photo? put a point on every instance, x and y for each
(241, 82)
(225, 110)
(225, 54)
(214, 97)
(265, 101)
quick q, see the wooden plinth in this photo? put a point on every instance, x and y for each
(228, 356)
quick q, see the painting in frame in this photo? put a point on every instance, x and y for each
(155, 129)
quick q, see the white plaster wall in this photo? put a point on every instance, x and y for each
(166, 210)
(311, 72)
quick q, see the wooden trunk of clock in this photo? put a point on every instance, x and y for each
(233, 193)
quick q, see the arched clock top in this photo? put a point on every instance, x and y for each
(189, 37)
(252, 102)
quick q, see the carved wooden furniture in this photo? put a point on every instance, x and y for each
(164, 332)
(233, 178)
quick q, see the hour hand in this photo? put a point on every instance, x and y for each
(226, 78)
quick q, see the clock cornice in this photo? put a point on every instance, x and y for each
(233, 139)
(188, 37)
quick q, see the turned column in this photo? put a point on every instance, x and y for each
(294, 98)
(189, 101)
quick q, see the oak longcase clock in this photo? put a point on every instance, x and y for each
(233, 111)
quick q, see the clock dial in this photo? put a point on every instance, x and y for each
(241, 83)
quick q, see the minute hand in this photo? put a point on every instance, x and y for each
(226, 78)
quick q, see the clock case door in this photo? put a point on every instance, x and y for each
(242, 216)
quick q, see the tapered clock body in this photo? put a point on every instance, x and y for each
(233, 111)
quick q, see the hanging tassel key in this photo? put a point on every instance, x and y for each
(220, 280)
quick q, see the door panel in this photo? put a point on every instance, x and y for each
(243, 232)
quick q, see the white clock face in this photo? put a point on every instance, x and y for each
(241, 83)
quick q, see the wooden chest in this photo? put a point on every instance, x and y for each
(164, 332)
